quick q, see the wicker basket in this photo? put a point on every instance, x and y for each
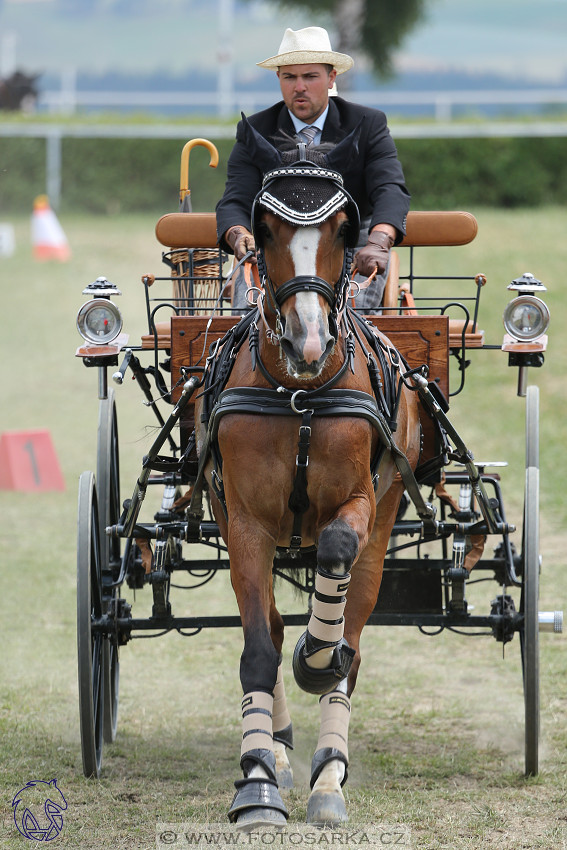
(196, 276)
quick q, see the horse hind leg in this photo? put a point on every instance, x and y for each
(326, 805)
(322, 657)
(282, 734)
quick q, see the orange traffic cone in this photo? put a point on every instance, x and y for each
(48, 239)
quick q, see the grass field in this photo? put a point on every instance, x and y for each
(437, 726)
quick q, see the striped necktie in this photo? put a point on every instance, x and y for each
(309, 134)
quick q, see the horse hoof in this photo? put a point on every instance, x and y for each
(284, 778)
(252, 819)
(326, 809)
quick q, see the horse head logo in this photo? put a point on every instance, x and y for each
(37, 810)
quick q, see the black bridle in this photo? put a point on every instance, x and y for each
(334, 294)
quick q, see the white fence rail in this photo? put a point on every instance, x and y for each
(441, 103)
(55, 133)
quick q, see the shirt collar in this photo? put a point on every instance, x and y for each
(319, 123)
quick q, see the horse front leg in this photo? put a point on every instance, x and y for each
(257, 801)
(326, 805)
(323, 657)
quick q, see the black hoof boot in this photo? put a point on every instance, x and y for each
(316, 681)
(257, 802)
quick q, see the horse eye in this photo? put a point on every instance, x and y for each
(264, 231)
(342, 231)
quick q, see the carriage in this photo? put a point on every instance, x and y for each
(451, 517)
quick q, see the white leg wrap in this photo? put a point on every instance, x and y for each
(281, 718)
(335, 718)
(326, 623)
(257, 707)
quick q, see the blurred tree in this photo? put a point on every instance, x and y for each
(373, 27)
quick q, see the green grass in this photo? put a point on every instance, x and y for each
(437, 723)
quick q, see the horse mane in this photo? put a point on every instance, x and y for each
(287, 146)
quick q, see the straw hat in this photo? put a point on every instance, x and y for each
(305, 47)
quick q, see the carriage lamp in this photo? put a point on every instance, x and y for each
(99, 320)
(526, 317)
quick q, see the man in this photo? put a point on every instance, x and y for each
(307, 68)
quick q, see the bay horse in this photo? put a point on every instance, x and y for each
(299, 454)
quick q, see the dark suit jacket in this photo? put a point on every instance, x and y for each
(374, 178)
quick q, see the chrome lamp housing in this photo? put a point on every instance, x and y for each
(526, 317)
(99, 321)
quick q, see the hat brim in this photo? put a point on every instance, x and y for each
(341, 62)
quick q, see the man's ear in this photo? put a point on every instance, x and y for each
(332, 78)
(264, 155)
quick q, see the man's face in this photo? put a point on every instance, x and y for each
(305, 89)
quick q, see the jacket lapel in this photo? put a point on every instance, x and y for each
(332, 131)
(284, 122)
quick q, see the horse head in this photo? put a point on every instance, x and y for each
(305, 224)
(19, 91)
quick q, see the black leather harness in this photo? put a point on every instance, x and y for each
(379, 409)
(305, 194)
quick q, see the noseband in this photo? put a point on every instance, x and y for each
(304, 194)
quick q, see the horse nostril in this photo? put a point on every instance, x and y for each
(329, 347)
(287, 348)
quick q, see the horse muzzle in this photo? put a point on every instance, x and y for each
(306, 342)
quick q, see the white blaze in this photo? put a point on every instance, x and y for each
(303, 248)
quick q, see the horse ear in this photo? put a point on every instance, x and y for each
(340, 157)
(262, 152)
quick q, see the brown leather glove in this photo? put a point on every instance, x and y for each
(241, 241)
(374, 255)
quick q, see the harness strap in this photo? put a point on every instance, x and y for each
(306, 283)
(335, 402)
(298, 502)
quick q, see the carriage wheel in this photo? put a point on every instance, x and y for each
(108, 489)
(108, 479)
(529, 636)
(90, 645)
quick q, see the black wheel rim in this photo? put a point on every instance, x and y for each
(529, 605)
(90, 644)
(108, 490)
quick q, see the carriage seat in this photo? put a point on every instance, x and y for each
(181, 231)
(187, 230)
(433, 229)
(427, 228)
